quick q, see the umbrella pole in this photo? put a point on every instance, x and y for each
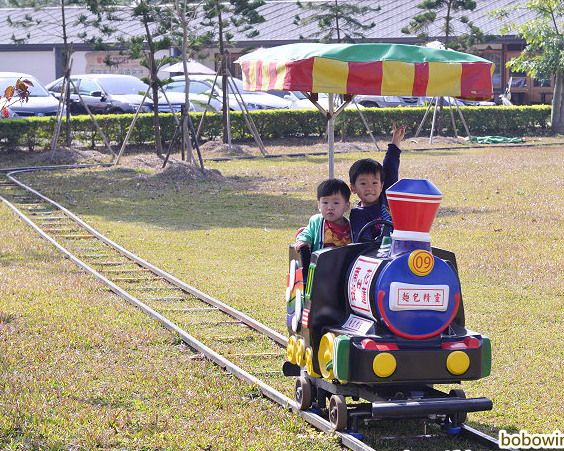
(433, 122)
(331, 135)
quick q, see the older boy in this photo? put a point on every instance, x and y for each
(329, 227)
(369, 180)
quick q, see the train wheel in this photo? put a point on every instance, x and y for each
(338, 414)
(291, 350)
(458, 418)
(325, 356)
(309, 363)
(300, 352)
(303, 393)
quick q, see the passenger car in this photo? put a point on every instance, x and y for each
(200, 93)
(253, 100)
(370, 101)
(40, 102)
(112, 93)
(298, 100)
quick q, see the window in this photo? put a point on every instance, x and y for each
(542, 83)
(495, 57)
(87, 87)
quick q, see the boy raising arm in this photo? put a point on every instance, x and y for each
(369, 180)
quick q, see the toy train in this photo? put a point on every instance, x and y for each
(383, 321)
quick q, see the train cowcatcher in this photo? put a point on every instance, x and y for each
(382, 323)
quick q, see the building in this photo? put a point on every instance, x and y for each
(41, 53)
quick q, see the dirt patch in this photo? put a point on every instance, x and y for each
(63, 156)
(175, 170)
(219, 149)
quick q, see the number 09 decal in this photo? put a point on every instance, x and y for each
(421, 262)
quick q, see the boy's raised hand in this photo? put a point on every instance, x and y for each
(398, 134)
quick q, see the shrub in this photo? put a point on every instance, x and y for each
(36, 132)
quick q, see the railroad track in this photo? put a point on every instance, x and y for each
(248, 349)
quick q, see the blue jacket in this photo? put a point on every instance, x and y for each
(360, 216)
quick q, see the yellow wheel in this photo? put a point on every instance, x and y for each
(325, 356)
(300, 352)
(291, 350)
(309, 363)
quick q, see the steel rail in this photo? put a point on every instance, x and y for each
(279, 338)
(315, 420)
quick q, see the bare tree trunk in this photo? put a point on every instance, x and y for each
(223, 73)
(557, 114)
(186, 143)
(67, 55)
(155, 90)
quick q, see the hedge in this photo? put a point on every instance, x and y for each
(37, 132)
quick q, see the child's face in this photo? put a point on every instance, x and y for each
(368, 188)
(333, 207)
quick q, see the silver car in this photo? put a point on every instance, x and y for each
(370, 101)
(40, 102)
(113, 94)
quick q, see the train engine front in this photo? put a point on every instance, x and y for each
(385, 323)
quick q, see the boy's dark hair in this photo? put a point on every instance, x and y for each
(365, 166)
(333, 186)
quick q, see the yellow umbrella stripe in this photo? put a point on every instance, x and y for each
(330, 75)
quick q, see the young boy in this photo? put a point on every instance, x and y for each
(328, 228)
(369, 180)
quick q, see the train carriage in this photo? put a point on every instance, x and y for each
(383, 322)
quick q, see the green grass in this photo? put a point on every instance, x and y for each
(502, 215)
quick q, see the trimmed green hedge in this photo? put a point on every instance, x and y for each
(37, 132)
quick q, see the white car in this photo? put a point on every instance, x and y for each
(252, 100)
(201, 95)
(298, 100)
(39, 103)
(370, 101)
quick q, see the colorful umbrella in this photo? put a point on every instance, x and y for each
(377, 69)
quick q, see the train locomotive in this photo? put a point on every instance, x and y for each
(381, 322)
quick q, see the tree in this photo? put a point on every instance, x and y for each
(99, 12)
(156, 24)
(224, 17)
(336, 21)
(452, 13)
(543, 56)
(183, 13)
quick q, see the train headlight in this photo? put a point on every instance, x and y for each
(458, 362)
(384, 364)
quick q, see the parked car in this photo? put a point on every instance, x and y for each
(454, 101)
(201, 95)
(112, 93)
(40, 102)
(370, 101)
(253, 100)
(298, 100)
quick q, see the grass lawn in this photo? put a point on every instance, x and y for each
(122, 382)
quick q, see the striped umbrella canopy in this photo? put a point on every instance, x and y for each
(374, 69)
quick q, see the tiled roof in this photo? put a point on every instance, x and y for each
(277, 29)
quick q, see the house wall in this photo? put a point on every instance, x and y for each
(40, 64)
(46, 65)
